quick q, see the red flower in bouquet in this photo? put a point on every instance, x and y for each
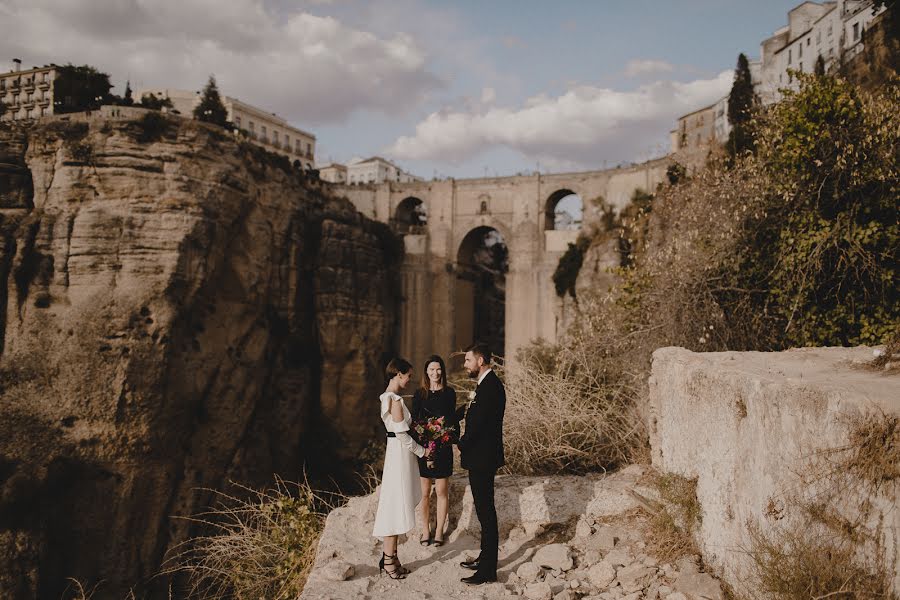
(432, 434)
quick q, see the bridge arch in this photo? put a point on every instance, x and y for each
(410, 216)
(482, 262)
(563, 210)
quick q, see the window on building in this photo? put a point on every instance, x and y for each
(264, 134)
(237, 121)
(287, 141)
(252, 126)
(308, 148)
(800, 50)
(275, 136)
(807, 41)
(298, 147)
(789, 56)
(818, 38)
(829, 30)
(856, 32)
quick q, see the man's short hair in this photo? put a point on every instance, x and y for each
(397, 365)
(481, 349)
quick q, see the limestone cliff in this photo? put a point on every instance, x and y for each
(176, 310)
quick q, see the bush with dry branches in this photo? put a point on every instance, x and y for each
(260, 543)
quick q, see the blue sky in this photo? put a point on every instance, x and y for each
(449, 89)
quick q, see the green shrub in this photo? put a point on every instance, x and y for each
(261, 545)
(566, 273)
(152, 127)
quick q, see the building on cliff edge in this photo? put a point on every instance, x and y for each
(373, 170)
(266, 129)
(27, 94)
(831, 30)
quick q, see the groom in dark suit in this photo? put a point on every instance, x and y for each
(481, 450)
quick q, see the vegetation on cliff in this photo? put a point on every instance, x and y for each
(793, 245)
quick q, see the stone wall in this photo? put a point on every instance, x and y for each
(764, 432)
(176, 312)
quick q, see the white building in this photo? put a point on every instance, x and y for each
(376, 170)
(264, 128)
(832, 30)
(27, 94)
(333, 173)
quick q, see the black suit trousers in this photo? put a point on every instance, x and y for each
(481, 481)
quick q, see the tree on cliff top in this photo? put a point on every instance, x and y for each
(128, 99)
(211, 109)
(741, 102)
(80, 88)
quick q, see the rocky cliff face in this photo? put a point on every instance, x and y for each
(176, 311)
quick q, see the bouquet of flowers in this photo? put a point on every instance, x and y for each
(432, 433)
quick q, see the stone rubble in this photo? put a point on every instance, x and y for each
(594, 555)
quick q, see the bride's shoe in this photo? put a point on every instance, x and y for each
(396, 571)
(425, 538)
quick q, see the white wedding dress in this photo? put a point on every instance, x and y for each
(400, 488)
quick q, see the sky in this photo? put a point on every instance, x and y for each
(444, 89)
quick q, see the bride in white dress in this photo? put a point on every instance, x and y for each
(400, 488)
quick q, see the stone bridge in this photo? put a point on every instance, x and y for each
(440, 311)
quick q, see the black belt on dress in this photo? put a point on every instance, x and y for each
(391, 434)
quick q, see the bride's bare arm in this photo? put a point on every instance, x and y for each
(405, 439)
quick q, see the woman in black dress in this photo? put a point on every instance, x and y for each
(435, 398)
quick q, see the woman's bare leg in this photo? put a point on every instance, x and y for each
(390, 545)
(442, 490)
(425, 508)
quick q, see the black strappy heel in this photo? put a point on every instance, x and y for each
(397, 572)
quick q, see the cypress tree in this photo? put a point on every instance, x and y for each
(211, 109)
(741, 102)
(128, 100)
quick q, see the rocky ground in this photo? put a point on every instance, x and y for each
(564, 538)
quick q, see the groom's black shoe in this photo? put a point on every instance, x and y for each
(478, 579)
(470, 564)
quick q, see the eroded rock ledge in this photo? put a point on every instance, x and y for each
(176, 311)
(775, 441)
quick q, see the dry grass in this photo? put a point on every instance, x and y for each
(567, 420)
(868, 463)
(261, 545)
(804, 563)
(671, 525)
(873, 455)
(891, 351)
(834, 547)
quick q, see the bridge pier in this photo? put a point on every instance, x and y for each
(433, 316)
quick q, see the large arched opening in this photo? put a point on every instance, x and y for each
(411, 216)
(482, 262)
(563, 211)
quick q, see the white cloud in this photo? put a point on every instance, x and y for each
(488, 95)
(638, 67)
(584, 126)
(309, 69)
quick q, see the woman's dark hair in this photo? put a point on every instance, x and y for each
(397, 365)
(425, 385)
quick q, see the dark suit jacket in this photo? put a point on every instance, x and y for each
(482, 445)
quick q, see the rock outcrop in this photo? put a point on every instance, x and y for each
(801, 443)
(177, 310)
(560, 537)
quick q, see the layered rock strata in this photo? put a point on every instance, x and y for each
(177, 310)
